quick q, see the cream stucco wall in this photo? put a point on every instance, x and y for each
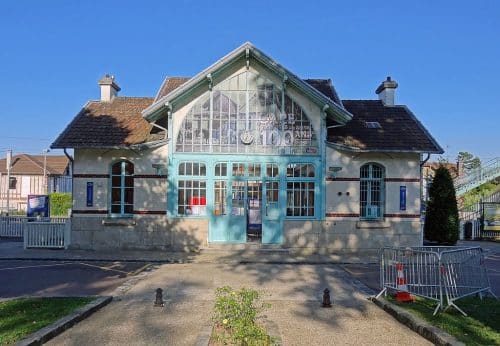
(149, 192)
(402, 167)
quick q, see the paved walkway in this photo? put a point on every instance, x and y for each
(14, 250)
(293, 290)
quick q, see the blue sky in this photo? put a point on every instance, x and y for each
(445, 56)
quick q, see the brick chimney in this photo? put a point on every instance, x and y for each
(109, 88)
(386, 91)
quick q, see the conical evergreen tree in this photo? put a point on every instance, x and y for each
(441, 219)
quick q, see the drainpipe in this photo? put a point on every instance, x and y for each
(72, 180)
(161, 128)
(422, 163)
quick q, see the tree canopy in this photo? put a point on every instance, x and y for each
(468, 160)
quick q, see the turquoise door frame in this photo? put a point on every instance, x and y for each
(273, 201)
(231, 226)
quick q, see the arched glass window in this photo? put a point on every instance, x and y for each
(371, 191)
(247, 114)
(122, 188)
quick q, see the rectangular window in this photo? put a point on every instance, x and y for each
(220, 197)
(300, 189)
(300, 198)
(221, 170)
(254, 169)
(298, 170)
(272, 193)
(192, 197)
(272, 170)
(238, 198)
(192, 191)
(238, 169)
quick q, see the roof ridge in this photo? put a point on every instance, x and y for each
(32, 159)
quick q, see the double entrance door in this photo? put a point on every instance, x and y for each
(246, 209)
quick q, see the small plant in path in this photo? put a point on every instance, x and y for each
(235, 317)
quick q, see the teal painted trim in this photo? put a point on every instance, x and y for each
(369, 188)
(211, 160)
(122, 188)
(322, 169)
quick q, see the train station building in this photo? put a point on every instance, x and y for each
(246, 152)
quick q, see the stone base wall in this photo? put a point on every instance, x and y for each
(139, 233)
(151, 232)
(346, 236)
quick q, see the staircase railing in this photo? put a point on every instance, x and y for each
(472, 215)
(480, 175)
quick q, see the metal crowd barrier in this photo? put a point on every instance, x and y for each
(443, 274)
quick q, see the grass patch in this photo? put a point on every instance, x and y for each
(235, 317)
(21, 317)
(480, 327)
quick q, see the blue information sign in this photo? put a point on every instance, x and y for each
(90, 194)
(38, 205)
(402, 198)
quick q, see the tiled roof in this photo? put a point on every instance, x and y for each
(400, 130)
(170, 84)
(117, 123)
(33, 164)
(325, 86)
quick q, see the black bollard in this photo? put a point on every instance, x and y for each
(327, 303)
(159, 297)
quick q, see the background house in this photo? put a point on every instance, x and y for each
(33, 175)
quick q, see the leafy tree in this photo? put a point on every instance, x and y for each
(468, 161)
(441, 220)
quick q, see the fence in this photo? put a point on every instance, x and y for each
(13, 226)
(443, 274)
(54, 235)
(53, 232)
(471, 218)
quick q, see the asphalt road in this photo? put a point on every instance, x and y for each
(63, 278)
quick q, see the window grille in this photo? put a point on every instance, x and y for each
(300, 189)
(191, 190)
(122, 188)
(371, 191)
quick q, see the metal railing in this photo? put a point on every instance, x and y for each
(470, 216)
(52, 235)
(13, 226)
(480, 175)
(442, 274)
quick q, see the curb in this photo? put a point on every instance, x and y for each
(45, 334)
(433, 334)
(83, 259)
(185, 261)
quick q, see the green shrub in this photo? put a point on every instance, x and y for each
(441, 215)
(236, 313)
(60, 203)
